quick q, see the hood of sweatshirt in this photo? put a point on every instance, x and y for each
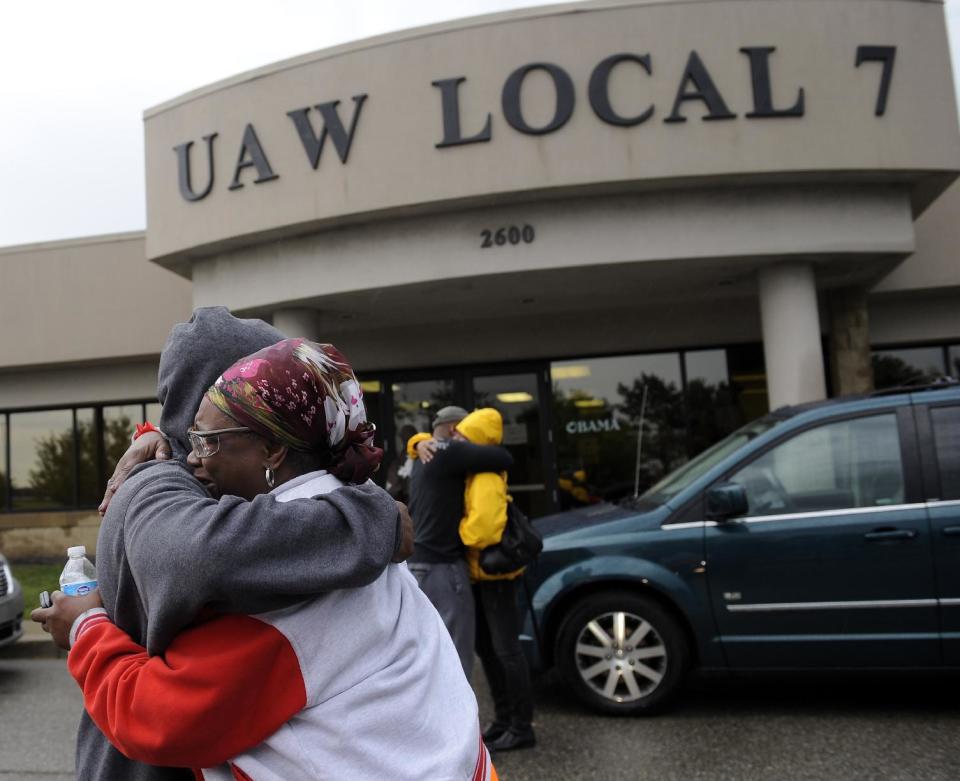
(482, 426)
(194, 356)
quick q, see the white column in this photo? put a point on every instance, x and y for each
(297, 322)
(791, 334)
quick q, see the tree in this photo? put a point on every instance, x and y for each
(52, 478)
(892, 372)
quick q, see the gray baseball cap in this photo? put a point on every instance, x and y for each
(449, 415)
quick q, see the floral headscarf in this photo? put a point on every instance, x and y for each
(305, 396)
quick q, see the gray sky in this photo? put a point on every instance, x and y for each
(76, 76)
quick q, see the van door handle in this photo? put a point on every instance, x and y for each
(885, 535)
(951, 531)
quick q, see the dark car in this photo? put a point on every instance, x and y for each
(820, 537)
(11, 605)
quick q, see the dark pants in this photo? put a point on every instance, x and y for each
(498, 646)
(447, 586)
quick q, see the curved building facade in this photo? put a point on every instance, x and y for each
(601, 217)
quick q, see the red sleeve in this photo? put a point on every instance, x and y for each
(221, 688)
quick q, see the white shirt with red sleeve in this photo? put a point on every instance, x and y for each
(356, 684)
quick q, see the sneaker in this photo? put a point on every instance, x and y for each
(510, 740)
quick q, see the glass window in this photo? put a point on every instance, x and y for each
(118, 427)
(598, 404)
(946, 434)
(748, 380)
(711, 404)
(372, 394)
(152, 414)
(414, 406)
(517, 398)
(954, 361)
(42, 463)
(4, 472)
(893, 368)
(693, 470)
(851, 463)
(89, 490)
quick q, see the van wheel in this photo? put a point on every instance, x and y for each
(622, 653)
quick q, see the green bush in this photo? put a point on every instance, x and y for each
(35, 578)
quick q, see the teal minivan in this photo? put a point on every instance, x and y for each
(820, 537)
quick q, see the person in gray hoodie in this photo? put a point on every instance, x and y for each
(168, 551)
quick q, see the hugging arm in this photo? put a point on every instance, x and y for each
(463, 458)
(221, 688)
(187, 551)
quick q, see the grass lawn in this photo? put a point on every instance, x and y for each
(35, 578)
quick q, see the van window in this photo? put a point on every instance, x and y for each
(837, 466)
(946, 435)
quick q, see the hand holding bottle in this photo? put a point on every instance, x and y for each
(58, 619)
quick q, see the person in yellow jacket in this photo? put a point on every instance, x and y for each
(498, 619)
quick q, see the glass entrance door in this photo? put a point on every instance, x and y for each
(414, 404)
(407, 402)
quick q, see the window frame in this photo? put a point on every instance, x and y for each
(73, 409)
(932, 480)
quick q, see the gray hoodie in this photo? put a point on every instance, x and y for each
(168, 552)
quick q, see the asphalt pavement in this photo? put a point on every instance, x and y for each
(752, 729)
(40, 708)
(782, 729)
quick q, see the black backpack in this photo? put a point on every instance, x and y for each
(521, 543)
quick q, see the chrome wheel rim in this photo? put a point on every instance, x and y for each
(620, 656)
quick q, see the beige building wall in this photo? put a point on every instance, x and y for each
(395, 168)
(84, 320)
(936, 262)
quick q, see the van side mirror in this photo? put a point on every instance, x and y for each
(725, 501)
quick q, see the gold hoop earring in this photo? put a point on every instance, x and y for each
(271, 480)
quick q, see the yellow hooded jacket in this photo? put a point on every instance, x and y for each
(485, 498)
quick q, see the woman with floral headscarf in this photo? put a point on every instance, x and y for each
(357, 684)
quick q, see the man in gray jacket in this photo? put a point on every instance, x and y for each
(168, 552)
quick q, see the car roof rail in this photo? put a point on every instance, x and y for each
(924, 384)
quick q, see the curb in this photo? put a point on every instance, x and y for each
(34, 643)
(32, 648)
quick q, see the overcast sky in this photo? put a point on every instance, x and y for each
(75, 78)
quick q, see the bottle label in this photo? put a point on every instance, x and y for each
(79, 589)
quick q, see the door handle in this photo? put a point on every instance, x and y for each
(886, 535)
(951, 531)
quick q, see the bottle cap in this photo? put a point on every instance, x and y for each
(77, 551)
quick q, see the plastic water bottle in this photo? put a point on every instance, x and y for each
(79, 576)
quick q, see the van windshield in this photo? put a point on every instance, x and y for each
(680, 478)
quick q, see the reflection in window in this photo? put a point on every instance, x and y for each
(598, 404)
(711, 403)
(946, 432)
(748, 380)
(848, 464)
(414, 407)
(517, 399)
(913, 366)
(152, 414)
(372, 396)
(119, 424)
(4, 471)
(953, 367)
(89, 490)
(42, 459)
(415, 404)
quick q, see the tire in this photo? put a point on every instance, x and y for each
(606, 676)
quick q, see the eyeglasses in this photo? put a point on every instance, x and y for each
(207, 443)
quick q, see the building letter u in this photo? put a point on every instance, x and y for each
(183, 169)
